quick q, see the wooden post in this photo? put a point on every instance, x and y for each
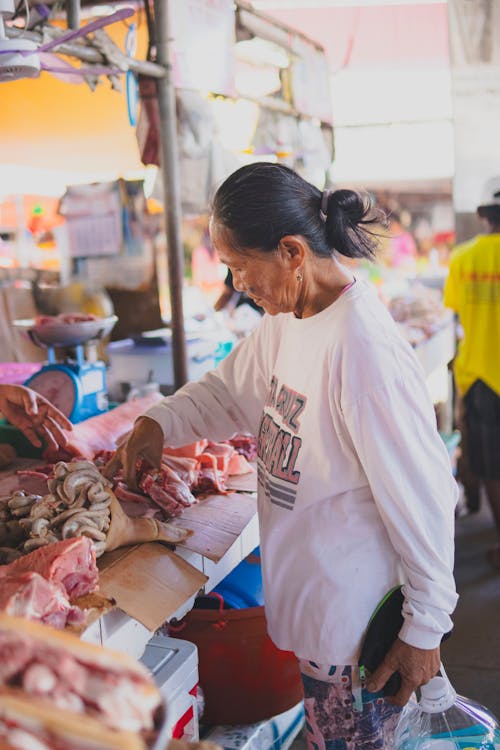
(169, 165)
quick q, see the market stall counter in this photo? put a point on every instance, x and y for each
(151, 583)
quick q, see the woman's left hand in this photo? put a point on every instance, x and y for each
(34, 416)
(415, 665)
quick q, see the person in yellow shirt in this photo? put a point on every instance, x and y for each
(472, 290)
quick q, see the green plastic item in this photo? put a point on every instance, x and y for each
(11, 435)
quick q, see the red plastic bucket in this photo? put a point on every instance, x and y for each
(244, 677)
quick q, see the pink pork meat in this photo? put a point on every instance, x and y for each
(246, 445)
(30, 596)
(70, 563)
(192, 450)
(102, 432)
(210, 478)
(185, 468)
(165, 487)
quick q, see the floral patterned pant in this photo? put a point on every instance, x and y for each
(341, 714)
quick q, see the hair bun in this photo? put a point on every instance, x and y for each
(350, 203)
(347, 221)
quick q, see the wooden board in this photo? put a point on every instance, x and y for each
(216, 523)
(243, 482)
(148, 582)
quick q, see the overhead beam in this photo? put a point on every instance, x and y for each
(87, 54)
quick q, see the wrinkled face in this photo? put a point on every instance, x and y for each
(270, 279)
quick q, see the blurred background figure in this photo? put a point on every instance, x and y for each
(472, 290)
(205, 266)
(403, 248)
(231, 299)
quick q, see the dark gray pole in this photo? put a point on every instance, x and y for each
(169, 165)
(73, 13)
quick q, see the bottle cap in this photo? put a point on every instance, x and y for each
(438, 695)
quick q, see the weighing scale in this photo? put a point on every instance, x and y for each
(77, 385)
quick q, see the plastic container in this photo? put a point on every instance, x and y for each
(223, 349)
(243, 586)
(276, 733)
(452, 441)
(443, 720)
(174, 665)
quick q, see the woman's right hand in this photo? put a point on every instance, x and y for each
(145, 441)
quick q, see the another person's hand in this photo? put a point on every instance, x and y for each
(415, 665)
(146, 441)
(34, 416)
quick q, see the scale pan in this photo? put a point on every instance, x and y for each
(62, 334)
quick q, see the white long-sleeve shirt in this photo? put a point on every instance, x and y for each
(355, 489)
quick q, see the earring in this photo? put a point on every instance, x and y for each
(299, 276)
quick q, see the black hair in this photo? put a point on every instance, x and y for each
(491, 214)
(261, 203)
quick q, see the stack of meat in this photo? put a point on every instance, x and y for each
(42, 585)
(185, 473)
(59, 693)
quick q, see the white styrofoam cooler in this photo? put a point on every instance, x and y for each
(174, 665)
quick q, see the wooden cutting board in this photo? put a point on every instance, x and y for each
(216, 522)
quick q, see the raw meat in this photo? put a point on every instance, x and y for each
(167, 490)
(31, 596)
(135, 504)
(77, 676)
(238, 465)
(30, 481)
(101, 433)
(185, 468)
(246, 445)
(222, 453)
(70, 563)
(192, 450)
(68, 318)
(210, 478)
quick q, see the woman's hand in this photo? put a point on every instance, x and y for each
(36, 417)
(146, 441)
(415, 665)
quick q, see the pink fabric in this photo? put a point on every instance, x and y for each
(346, 288)
(16, 373)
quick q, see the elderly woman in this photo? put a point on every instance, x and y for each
(355, 491)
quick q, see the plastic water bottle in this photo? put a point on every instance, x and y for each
(443, 720)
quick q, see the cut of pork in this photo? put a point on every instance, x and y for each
(30, 596)
(165, 487)
(102, 432)
(75, 675)
(246, 445)
(70, 563)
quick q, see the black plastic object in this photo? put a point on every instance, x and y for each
(383, 629)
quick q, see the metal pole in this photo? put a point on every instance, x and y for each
(169, 164)
(73, 13)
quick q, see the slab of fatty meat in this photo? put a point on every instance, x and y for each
(102, 432)
(76, 675)
(192, 450)
(70, 563)
(31, 596)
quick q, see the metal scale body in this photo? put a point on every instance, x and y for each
(77, 385)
